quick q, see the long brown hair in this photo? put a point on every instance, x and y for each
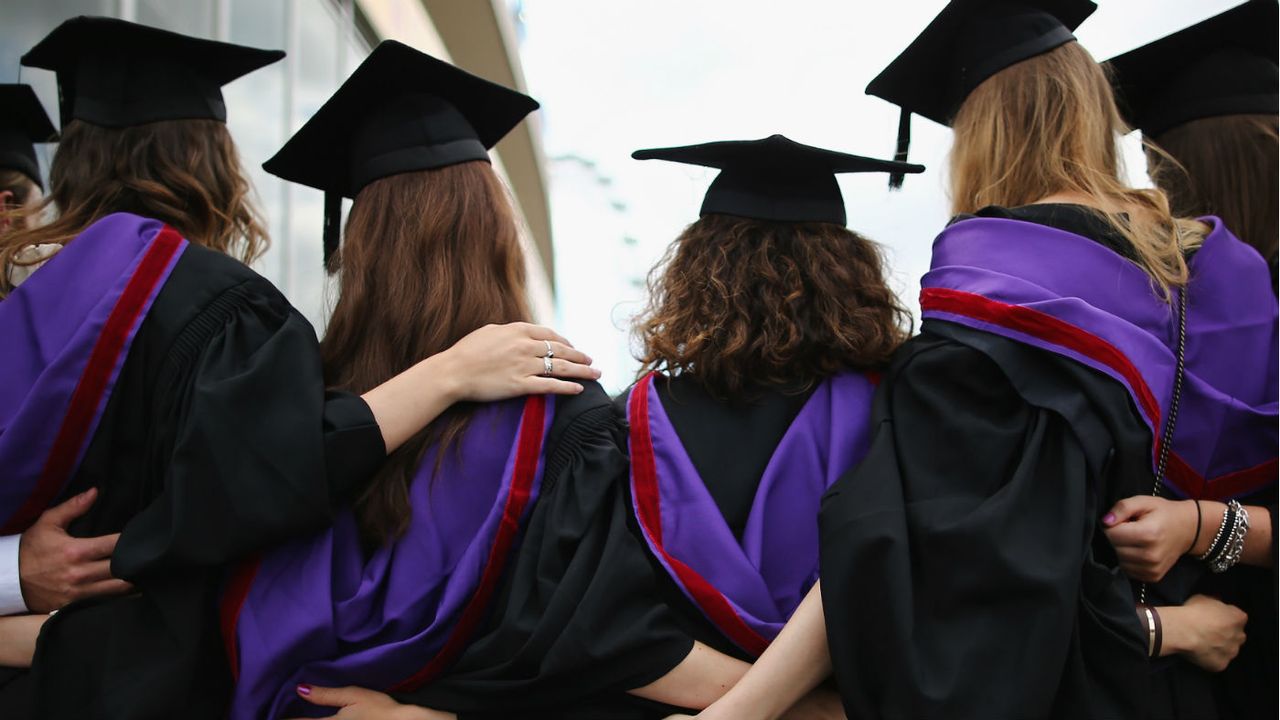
(1048, 125)
(1225, 166)
(741, 303)
(427, 257)
(186, 173)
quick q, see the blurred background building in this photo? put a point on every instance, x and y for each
(593, 224)
(325, 40)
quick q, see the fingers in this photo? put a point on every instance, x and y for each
(538, 348)
(1129, 509)
(539, 332)
(563, 369)
(550, 386)
(92, 572)
(334, 697)
(107, 587)
(96, 548)
(70, 509)
(1130, 534)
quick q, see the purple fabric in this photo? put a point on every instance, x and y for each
(50, 324)
(1228, 416)
(319, 611)
(766, 575)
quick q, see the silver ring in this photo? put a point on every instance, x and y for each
(546, 366)
(550, 353)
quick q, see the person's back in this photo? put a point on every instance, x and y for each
(1033, 400)
(767, 323)
(477, 569)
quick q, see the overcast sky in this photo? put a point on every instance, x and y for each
(615, 76)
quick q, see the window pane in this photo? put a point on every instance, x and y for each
(189, 17)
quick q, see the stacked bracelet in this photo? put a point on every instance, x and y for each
(1228, 543)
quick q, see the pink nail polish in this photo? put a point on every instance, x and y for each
(304, 690)
(1109, 519)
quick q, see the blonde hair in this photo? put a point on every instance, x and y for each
(186, 173)
(1048, 125)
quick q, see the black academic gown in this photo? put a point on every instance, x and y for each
(573, 624)
(218, 440)
(984, 586)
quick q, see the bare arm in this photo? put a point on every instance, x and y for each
(699, 680)
(18, 635)
(793, 665)
(495, 362)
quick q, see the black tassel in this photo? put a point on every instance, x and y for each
(904, 141)
(332, 224)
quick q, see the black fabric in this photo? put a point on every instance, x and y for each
(574, 623)
(23, 122)
(774, 178)
(197, 466)
(1225, 65)
(964, 573)
(730, 444)
(115, 73)
(400, 111)
(1077, 219)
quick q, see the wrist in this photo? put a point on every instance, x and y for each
(1175, 626)
(1212, 515)
(440, 371)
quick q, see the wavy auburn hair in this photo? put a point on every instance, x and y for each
(427, 257)
(1226, 166)
(186, 173)
(1048, 125)
(740, 303)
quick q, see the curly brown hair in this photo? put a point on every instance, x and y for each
(742, 303)
(186, 173)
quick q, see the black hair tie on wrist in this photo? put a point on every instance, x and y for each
(1199, 520)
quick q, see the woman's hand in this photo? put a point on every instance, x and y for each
(1207, 631)
(361, 704)
(1150, 534)
(498, 362)
(18, 635)
(495, 362)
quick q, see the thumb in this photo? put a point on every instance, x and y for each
(333, 697)
(1127, 510)
(61, 515)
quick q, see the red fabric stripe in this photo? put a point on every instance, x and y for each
(94, 381)
(1050, 329)
(528, 451)
(229, 608)
(645, 493)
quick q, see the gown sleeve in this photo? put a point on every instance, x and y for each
(577, 618)
(252, 449)
(961, 567)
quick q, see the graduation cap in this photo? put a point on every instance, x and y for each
(23, 122)
(1225, 65)
(775, 178)
(968, 42)
(114, 73)
(400, 111)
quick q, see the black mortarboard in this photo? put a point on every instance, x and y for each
(775, 178)
(400, 111)
(115, 73)
(23, 122)
(968, 42)
(1225, 65)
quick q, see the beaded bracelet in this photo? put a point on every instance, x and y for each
(1233, 548)
(1220, 537)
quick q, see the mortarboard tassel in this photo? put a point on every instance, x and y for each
(904, 141)
(332, 224)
